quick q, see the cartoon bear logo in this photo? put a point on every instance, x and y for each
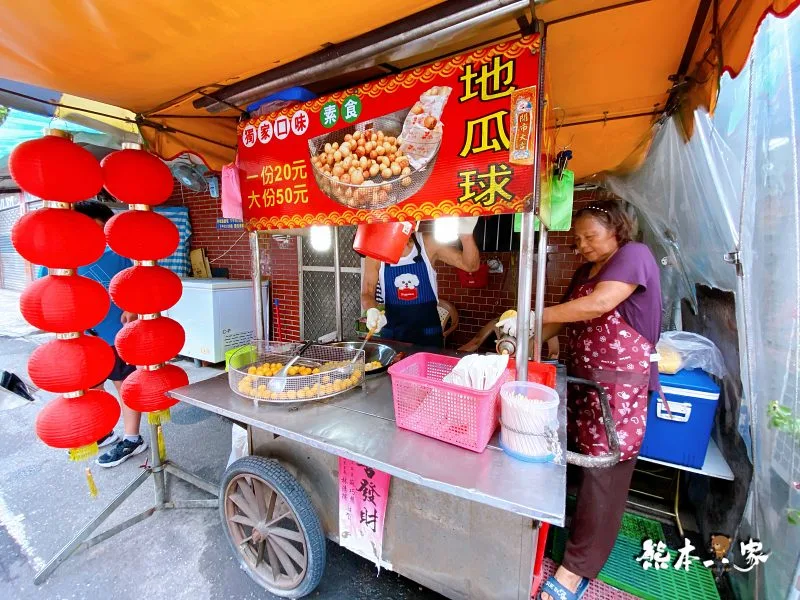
(406, 284)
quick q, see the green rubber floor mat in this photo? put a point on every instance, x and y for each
(639, 528)
(624, 573)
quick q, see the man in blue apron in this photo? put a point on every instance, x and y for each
(409, 290)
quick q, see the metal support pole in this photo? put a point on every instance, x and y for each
(541, 271)
(162, 501)
(158, 470)
(337, 284)
(198, 482)
(524, 291)
(87, 530)
(258, 300)
(526, 251)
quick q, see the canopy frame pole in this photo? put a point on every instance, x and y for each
(541, 267)
(337, 284)
(527, 237)
(436, 20)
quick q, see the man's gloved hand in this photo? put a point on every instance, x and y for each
(466, 225)
(508, 323)
(376, 320)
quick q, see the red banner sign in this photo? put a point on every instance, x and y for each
(454, 137)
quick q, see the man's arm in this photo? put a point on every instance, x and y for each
(370, 272)
(467, 259)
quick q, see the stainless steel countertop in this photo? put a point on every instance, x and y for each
(359, 425)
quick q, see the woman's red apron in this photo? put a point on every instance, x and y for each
(612, 353)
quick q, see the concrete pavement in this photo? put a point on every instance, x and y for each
(179, 553)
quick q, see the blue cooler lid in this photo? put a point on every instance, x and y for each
(695, 380)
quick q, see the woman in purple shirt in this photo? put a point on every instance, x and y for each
(612, 317)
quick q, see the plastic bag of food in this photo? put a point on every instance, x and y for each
(680, 350)
(422, 128)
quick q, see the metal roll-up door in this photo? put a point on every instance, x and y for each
(13, 268)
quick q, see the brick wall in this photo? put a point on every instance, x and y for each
(286, 287)
(476, 307)
(231, 249)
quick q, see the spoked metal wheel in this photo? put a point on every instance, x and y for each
(272, 527)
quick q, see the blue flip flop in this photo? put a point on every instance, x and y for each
(558, 592)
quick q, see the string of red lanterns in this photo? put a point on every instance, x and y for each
(142, 180)
(60, 172)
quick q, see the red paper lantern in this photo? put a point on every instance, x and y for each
(62, 366)
(144, 290)
(54, 168)
(145, 391)
(137, 177)
(64, 303)
(77, 423)
(150, 341)
(142, 235)
(58, 238)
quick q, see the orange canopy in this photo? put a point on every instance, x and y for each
(610, 62)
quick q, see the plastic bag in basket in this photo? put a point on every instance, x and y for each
(478, 372)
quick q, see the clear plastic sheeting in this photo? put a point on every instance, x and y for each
(762, 126)
(687, 196)
(734, 188)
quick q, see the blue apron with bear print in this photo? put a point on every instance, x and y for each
(411, 304)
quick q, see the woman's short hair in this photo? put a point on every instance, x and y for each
(612, 215)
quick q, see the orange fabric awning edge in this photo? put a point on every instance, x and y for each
(609, 77)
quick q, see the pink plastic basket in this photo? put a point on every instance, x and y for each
(450, 413)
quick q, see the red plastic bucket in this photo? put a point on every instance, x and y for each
(383, 241)
(543, 373)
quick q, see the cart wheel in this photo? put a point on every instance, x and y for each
(272, 527)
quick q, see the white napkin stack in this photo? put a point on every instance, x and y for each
(479, 372)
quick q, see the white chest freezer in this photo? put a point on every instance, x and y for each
(217, 315)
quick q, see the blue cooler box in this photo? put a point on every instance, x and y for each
(681, 438)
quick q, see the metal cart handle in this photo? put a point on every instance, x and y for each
(613, 455)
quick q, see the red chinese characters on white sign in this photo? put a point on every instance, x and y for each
(363, 495)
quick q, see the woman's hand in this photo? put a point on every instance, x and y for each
(127, 317)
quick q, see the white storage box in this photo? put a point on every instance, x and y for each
(217, 315)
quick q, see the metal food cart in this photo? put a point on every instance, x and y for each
(465, 524)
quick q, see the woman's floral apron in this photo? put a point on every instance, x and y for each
(612, 353)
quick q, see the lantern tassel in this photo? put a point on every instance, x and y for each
(91, 483)
(157, 417)
(83, 452)
(162, 447)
